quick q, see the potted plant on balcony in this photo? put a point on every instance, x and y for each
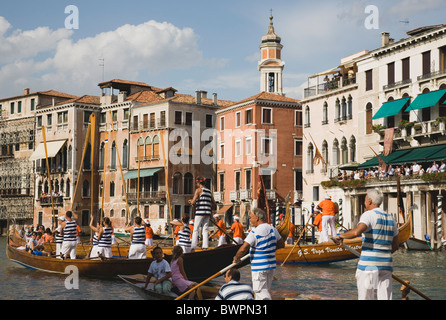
(405, 126)
(441, 122)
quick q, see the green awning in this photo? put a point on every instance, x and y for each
(133, 174)
(391, 108)
(390, 159)
(409, 156)
(421, 154)
(427, 100)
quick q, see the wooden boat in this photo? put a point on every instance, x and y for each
(328, 252)
(137, 282)
(86, 267)
(198, 265)
(417, 244)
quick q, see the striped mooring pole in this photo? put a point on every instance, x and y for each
(341, 218)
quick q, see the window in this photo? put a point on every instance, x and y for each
(221, 186)
(267, 115)
(112, 188)
(148, 148)
(87, 159)
(391, 73)
(307, 117)
(115, 115)
(325, 151)
(209, 122)
(101, 156)
(237, 180)
(368, 118)
(222, 123)
(85, 189)
(336, 152)
(297, 147)
(188, 183)
(189, 118)
(19, 107)
(310, 156)
(156, 147)
(266, 146)
(161, 212)
(344, 150)
(125, 154)
(126, 114)
(248, 146)
(349, 107)
(33, 104)
(316, 193)
(62, 117)
(368, 80)
(271, 82)
(178, 117)
(325, 113)
(426, 62)
(87, 115)
(39, 121)
(176, 183)
(406, 69)
(162, 119)
(248, 116)
(238, 147)
(248, 180)
(222, 151)
(145, 121)
(352, 147)
(11, 107)
(135, 123)
(237, 119)
(49, 120)
(113, 156)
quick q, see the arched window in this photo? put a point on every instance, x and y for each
(349, 107)
(368, 118)
(188, 183)
(140, 149)
(176, 186)
(148, 148)
(344, 150)
(336, 152)
(325, 113)
(310, 156)
(352, 147)
(68, 188)
(156, 147)
(325, 151)
(101, 156)
(112, 188)
(87, 159)
(344, 109)
(337, 110)
(113, 156)
(125, 154)
(69, 155)
(307, 116)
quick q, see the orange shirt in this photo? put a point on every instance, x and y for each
(318, 221)
(78, 230)
(191, 227)
(328, 207)
(149, 233)
(221, 224)
(237, 228)
(290, 235)
(177, 229)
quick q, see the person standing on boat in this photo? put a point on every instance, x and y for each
(149, 233)
(59, 237)
(262, 242)
(380, 240)
(68, 230)
(237, 230)
(105, 238)
(204, 202)
(329, 210)
(95, 240)
(219, 231)
(138, 237)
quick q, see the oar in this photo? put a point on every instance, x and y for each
(222, 271)
(224, 231)
(356, 253)
(297, 242)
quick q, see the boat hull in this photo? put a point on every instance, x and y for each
(328, 252)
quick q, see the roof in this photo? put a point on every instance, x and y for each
(123, 82)
(52, 93)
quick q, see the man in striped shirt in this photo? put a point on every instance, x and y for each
(380, 240)
(262, 242)
(233, 289)
(68, 231)
(138, 236)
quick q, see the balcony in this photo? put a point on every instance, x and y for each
(297, 196)
(45, 201)
(147, 196)
(245, 194)
(234, 195)
(395, 85)
(219, 196)
(328, 86)
(432, 75)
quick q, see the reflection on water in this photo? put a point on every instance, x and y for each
(426, 271)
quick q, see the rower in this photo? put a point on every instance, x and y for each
(138, 236)
(68, 230)
(105, 239)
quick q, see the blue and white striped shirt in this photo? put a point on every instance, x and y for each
(69, 232)
(263, 241)
(106, 238)
(376, 251)
(139, 235)
(184, 237)
(204, 201)
(234, 290)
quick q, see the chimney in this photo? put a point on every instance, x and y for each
(384, 39)
(214, 98)
(26, 91)
(204, 94)
(391, 41)
(197, 97)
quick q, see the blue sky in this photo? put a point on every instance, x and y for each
(189, 44)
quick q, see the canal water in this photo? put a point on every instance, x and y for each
(426, 271)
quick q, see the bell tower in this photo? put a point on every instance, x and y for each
(271, 64)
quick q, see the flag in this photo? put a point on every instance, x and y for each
(262, 200)
(318, 158)
(381, 163)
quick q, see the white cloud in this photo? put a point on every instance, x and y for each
(130, 52)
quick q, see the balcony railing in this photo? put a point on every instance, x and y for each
(394, 85)
(219, 196)
(327, 86)
(147, 196)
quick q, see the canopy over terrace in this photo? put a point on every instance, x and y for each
(419, 155)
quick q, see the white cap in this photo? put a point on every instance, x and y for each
(146, 221)
(62, 218)
(327, 196)
(191, 222)
(216, 215)
(236, 218)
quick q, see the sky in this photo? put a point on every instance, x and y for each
(190, 44)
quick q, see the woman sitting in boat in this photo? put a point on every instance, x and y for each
(179, 277)
(35, 245)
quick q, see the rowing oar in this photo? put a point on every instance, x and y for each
(356, 253)
(222, 271)
(297, 242)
